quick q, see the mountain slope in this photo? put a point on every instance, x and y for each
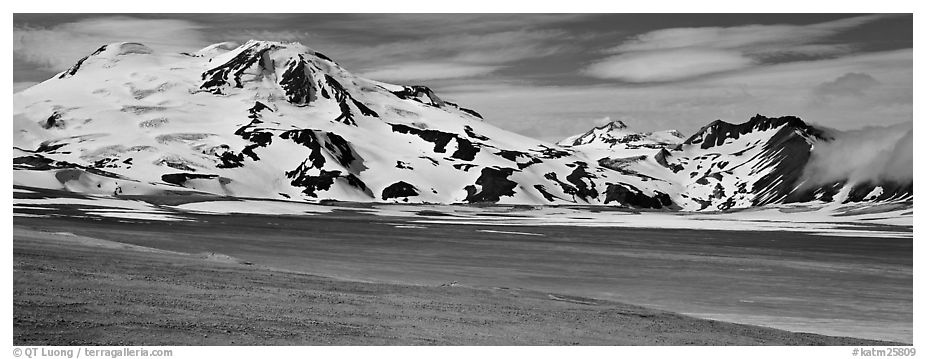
(722, 166)
(278, 120)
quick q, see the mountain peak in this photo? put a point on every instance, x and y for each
(613, 133)
(279, 120)
(715, 133)
(614, 126)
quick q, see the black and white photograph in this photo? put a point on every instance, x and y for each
(458, 179)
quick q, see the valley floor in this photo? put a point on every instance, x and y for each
(73, 290)
(351, 278)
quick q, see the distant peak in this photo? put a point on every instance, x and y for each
(217, 48)
(614, 125)
(616, 133)
(718, 131)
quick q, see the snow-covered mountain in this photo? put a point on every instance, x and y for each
(278, 120)
(616, 136)
(724, 165)
(283, 121)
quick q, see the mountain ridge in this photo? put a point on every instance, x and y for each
(280, 120)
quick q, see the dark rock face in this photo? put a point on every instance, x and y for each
(310, 183)
(823, 193)
(464, 166)
(433, 161)
(421, 94)
(466, 150)
(337, 147)
(216, 79)
(73, 70)
(111, 162)
(869, 191)
(37, 162)
(567, 188)
(789, 151)
(551, 153)
(53, 121)
(533, 161)
(512, 155)
(471, 112)
(297, 82)
(180, 179)
(890, 190)
(469, 132)
(583, 190)
(323, 181)
(425, 95)
(48, 147)
(662, 158)
(717, 132)
(576, 187)
(632, 197)
(543, 192)
(364, 110)
(618, 164)
(494, 182)
(323, 57)
(229, 159)
(399, 189)
(355, 182)
(614, 164)
(308, 139)
(257, 108)
(251, 133)
(342, 97)
(440, 139)
(33, 162)
(342, 151)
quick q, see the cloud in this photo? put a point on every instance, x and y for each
(518, 71)
(427, 71)
(463, 55)
(269, 35)
(386, 43)
(852, 84)
(669, 65)
(491, 47)
(871, 154)
(477, 49)
(681, 53)
(751, 38)
(773, 90)
(436, 25)
(57, 48)
(603, 121)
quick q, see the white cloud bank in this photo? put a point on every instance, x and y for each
(57, 48)
(552, 112)
(866, 154)
(681, 53)
(668, 65)
(414, 71)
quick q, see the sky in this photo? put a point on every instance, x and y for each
(549, 76)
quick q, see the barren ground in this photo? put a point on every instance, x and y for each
(347, 278)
